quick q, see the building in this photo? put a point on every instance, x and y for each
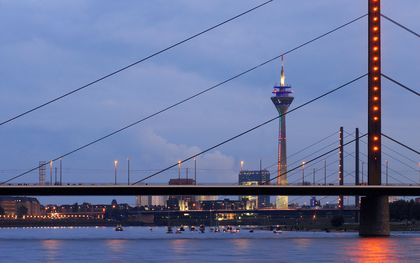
(151, 200)
(11, 205)
(185, 202)
(224, 204)
(282, 99)
(258, 177)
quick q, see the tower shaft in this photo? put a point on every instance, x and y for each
(282, 155)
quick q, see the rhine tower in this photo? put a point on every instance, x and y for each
(282, 98)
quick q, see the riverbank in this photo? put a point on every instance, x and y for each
(347, 227)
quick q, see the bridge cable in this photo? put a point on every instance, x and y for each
(254, 128)
(191, 97)
(400, 25)
(197, 94)
(310, 154)
(395, 158)
(314, 159)
(401, 85)
(304, 149)
(395, 171)
(400, 143)
(133, 64)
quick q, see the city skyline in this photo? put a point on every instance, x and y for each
(57, 55)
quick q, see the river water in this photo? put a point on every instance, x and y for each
(140, 244)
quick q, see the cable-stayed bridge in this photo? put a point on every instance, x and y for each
(374, 206)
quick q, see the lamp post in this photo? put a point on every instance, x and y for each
(115, 171)
(128, 170)
(179, 171)
(303, 172)
(51, 168)
(419, 171)
(242, 165)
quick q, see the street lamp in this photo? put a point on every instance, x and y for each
(51, 166)
(115, 170)
(128, 170)
(419, 171)
(179, 171)
(242, 165)
(303, 172)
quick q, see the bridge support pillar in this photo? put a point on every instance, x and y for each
(374, 216)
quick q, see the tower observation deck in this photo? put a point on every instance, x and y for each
(282, 98)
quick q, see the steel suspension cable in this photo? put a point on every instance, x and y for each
(133, 64)
(255, 127)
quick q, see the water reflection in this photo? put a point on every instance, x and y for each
(303, 242)
(241, 244)
(373, 250)
(179, 245)
(52, 249)
(116, 245)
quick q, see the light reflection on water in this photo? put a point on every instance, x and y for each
(374, 250)
(51, 249)
(136, 244)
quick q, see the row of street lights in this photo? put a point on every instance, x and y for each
(116, 163)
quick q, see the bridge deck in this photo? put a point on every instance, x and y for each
(97, 190)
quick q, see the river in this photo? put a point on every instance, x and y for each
(140, 244)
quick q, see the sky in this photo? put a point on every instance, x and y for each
(48, 48)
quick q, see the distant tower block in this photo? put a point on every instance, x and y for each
(282, 98)
(42, 172)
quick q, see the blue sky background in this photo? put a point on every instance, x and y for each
(48, 48)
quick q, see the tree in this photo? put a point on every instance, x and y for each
(21, 211)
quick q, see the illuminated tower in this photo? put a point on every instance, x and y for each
(282, 98)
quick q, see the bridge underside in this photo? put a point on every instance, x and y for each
(131, 190)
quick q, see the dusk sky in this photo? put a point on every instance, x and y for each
(48, 48)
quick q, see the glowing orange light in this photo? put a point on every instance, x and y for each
(375, 38)
(375, 48)
(375, 18)
(375, 98)
(375, 138)
(375, 108)
(375, 118)
(375, 148)
(375, 68)
(375, 28)
(375, 78)
(375, 58)
(375, 9)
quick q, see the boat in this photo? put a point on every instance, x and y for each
(192, 228)
(277, 230)
(169, 230)
(202, 228)
(181, 228)
(119, 228)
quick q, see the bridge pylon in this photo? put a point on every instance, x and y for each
(374, 209)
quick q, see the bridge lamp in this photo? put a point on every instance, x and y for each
(303, 172)
(179, 169)
(374, 92)
(115, 171)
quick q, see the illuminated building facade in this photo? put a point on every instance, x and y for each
(257, 177)
(282, 98)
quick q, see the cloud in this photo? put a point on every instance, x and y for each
(214, 166)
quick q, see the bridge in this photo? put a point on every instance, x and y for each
(130, 190)
(374, 204)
